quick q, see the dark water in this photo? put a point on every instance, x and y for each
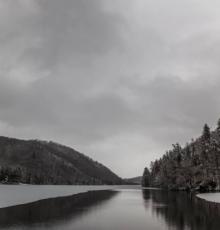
(115, 210)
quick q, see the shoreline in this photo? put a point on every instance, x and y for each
(212, 197)
(12, 195)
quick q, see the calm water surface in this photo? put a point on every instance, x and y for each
(127, 209)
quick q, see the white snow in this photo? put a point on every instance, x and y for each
(212, 197)
(11, 195)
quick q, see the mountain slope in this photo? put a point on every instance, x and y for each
(41, 162)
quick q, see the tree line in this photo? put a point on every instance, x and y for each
(196, 166)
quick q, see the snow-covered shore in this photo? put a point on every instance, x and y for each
(11, 195)
(211, 197)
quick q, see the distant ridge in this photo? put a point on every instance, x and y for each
(43, 162)
(134, 180)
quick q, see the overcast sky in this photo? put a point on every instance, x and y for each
(118, 80)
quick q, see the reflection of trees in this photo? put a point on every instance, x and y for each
(54, 209)
(184, 211)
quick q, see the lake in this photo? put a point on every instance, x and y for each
(116, 209)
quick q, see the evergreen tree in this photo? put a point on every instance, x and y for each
(146, 178)
(218, 125)
(206, 133)
(193, 167)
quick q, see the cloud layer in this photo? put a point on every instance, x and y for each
(120, 81)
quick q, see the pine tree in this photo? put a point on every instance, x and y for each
(218, 125)
(146, 178)
(206, 133)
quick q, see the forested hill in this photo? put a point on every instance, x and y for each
(42, 162)
(134, 180)
(193, 167)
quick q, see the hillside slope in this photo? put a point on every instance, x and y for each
(41, 162)
(193, 167)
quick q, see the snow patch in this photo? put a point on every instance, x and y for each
(211, 197)
(11, 195)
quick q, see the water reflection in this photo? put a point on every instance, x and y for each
(183, 211)
(54, 210)
(110, 210)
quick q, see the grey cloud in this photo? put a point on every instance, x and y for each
(72, 30)
(115, 80)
